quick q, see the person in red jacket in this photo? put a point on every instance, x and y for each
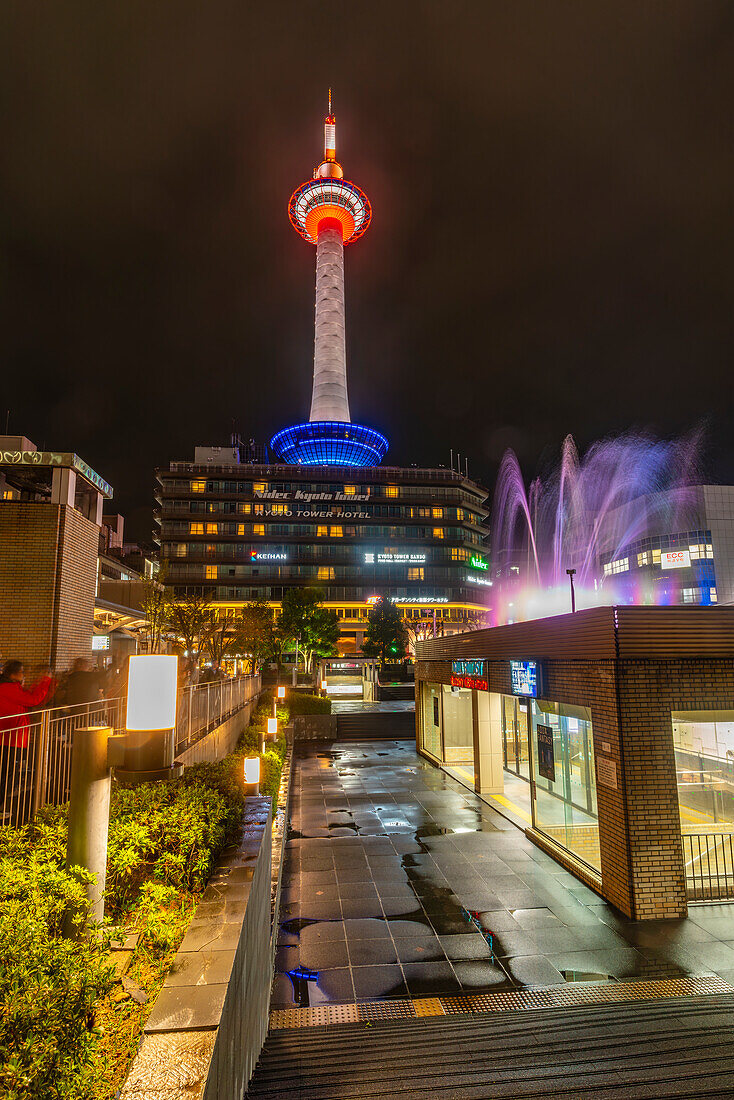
(15, 703)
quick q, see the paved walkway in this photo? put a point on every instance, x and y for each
(400, 882)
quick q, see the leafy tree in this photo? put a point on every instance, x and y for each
(188, 617)
(416, 630)
(386, 636)
(254, 633)
(219, 634)
(305, 620)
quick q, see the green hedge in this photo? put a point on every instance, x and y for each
(164, 839)
(309, 704)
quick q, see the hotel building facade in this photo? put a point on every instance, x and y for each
(236, 531)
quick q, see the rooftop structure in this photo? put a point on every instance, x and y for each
(329, 212)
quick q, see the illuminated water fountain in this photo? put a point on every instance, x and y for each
(583, 517)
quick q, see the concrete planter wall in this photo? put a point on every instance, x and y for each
(314, 727)
(221, 741)
(204, 1035)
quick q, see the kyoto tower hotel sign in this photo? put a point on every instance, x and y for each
(330, 212)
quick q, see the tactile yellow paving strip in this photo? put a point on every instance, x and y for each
(558, 997)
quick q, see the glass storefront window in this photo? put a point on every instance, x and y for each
(704, 764)
(515, 751)
(431, 719)
(564, 806)
(458, 738)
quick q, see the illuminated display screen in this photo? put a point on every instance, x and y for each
(525, 678)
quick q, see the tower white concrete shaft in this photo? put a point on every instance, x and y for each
(329, 400)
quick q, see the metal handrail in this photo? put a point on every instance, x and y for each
(709, 865)
(36, 746)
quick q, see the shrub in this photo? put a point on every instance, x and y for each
(309, 704)
(49, 986)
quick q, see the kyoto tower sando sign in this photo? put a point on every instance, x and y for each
(329, 212)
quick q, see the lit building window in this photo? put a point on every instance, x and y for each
(415, 573)
(258, 528)
(437, 513)
(244, 509)
(211, 572)
(644, 558)
(701, 550)
(350, 490)
(336, 532)
(325, 573)
(180, 549)
(621, 565)
(212, 528)
(689, 595)
(240, 528)
(322, 531)
(438, 532)
(460, 514)
(211, 548)
(279, 509)
(713, 596)
(656, 557)
(259, 509)
(259, 487)
(458, 553)
(391, 490)
(198, 486)
(196, 528)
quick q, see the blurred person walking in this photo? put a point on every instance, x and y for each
(16, 702)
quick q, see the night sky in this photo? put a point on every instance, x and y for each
(551, 251)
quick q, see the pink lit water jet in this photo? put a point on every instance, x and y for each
(585, 512)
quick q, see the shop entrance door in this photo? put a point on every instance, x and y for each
(515, 736)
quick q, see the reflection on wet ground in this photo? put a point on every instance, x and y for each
(400, 882)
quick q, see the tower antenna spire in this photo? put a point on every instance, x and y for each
(329, 102)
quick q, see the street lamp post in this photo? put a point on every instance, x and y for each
(570, 574)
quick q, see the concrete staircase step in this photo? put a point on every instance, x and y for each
(652, 1049)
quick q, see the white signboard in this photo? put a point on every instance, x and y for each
(99, 642)
(606, 772)
(675, 559)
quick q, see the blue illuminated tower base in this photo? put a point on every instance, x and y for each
(329, 443)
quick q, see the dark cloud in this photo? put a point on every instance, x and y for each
(550, 251)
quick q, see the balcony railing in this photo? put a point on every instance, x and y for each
(36, 748)
(709, 864)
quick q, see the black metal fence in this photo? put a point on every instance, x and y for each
(709, 864)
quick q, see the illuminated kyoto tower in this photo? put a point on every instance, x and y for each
(329, 212)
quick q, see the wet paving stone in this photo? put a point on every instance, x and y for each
(398, 881)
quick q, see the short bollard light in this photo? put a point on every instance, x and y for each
(281, 692)
(273, 728)
(152, 690)
(323, 685)
(252, 775)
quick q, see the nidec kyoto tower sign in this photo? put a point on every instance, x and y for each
(329, 212)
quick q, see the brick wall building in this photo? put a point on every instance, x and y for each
(50, 514)
(609, 682)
